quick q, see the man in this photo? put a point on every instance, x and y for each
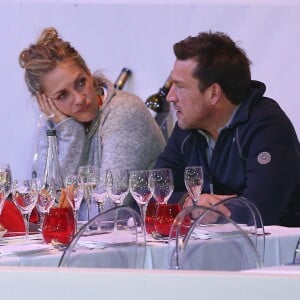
(245, 143)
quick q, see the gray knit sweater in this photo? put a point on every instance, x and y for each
(122, 135)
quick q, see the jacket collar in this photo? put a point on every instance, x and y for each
(256, 92)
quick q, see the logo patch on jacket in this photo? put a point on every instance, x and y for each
(264, 158)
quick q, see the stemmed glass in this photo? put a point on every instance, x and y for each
(46, 198)
(2, 197)
(100, 191)
(25, 195)
(161, 186)
(140, 191)
(5, 183)
(90, 176)
(117, 185)
(74, 192)
(193, 179)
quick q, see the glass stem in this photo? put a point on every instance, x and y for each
(100, 207)
(26, 223)
(42, 217)
(156, 216)
(116, 219)
(143, 208)
(75, 211)
(88, 203)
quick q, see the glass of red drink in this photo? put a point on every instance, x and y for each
(165, 215)
(150, 217)
(59, 225)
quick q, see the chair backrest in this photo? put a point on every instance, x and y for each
(246, 214)
(203, 238)
(112, 239)
(296, 259)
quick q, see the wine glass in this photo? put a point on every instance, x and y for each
(5, 183)
(74, 185)
(140, 191)
(25, 195)
(2, 197)
(90, 176)
(161, 184)
(117, 185)
(46, 198)
(193, 179)
(100, 191)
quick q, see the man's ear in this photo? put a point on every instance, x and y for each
(215, 93)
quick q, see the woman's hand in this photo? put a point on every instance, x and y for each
(48, 107)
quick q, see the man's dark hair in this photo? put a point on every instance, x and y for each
(220, 61)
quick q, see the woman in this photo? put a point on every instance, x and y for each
(95, 124)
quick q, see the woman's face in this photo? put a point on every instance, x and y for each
(72, 91)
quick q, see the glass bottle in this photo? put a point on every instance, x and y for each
(122, 78)
(58, 225)
(160, 107)
(157, 102)
(35, 158)
(52, 174)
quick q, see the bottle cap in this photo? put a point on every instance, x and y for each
(51, 132)
(126, 70)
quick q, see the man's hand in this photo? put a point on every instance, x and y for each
(209, 200)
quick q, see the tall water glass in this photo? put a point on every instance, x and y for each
(5, 183)
(161, 184)
(117, 185)
(90, 175)
(74, 192)
(193, 179)
(100, 191)
(25, 196)
(140, 191)
(46, 198)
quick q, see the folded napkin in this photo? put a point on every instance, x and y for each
(201, 234)
(212, 230)
(24, 249)
(12, 219)
(91, 244)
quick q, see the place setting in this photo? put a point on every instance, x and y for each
(115, 226)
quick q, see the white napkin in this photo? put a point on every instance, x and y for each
(23, 249)
(212, 230)
(201, 234)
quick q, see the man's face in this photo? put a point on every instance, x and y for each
(193, 108)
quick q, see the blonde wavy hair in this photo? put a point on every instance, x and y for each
(43, 56)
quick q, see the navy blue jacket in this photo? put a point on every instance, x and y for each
(256, 156)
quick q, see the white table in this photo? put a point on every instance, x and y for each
(279, 249)
(76, 284)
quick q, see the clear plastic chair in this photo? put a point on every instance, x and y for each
(203, 238)
(246, 214)
(296, 258)
(112, 239)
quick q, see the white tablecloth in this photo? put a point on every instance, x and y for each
(280, 244)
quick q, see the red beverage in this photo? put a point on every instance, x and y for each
(165, 216)
(150, 217)
(59, 225)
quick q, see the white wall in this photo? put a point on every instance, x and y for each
(139, 35)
